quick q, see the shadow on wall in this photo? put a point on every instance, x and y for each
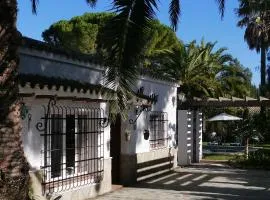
(54, 68)
(32, 140)
(166, 102)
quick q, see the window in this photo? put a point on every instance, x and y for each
(73, 148)
(82, 143)
(56, 145)
(158, 129)
(89, 138)
(70, 144)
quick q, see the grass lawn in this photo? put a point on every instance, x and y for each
(218, 156)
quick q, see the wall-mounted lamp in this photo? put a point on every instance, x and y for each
(181, 97)
(138, 112)
(146, 134)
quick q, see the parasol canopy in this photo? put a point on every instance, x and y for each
(224, 117)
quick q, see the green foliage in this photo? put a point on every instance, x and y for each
(254, 16)
(203, 71)
(248, 127)
(223, 157)
(124, 42)
(78, 34)
(174, 8)
(85, 34)
(259, 159)
(120, 40)
(262, 122)
(235, 79)
(159, 39)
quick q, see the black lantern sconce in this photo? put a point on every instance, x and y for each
(146, 134)
(138, 112)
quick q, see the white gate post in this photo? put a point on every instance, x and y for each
(185, 137)
(199, 128)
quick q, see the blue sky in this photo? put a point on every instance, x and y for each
(199, 19)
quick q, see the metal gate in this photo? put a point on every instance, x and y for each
(73, 146)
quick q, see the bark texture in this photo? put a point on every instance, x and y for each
(263, 69)
(14, 169)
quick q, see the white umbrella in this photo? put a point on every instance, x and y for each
(224, 117)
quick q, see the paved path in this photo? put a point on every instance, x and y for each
(200, 182)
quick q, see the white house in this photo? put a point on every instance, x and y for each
(73, 149)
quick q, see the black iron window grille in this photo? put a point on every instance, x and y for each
(158, 129)
(73, 153)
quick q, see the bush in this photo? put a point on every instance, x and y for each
(259, 159)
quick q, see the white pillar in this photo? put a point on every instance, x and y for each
(199, 126)
(185, 137)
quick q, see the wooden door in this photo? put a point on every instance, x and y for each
(115, 150)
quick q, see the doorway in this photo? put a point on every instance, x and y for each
(115, 149)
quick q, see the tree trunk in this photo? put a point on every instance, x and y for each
(263, 69)
(14, 169)
(246, 148)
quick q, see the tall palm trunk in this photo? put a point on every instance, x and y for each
(263, 76)
(263, 69)
(13, 165)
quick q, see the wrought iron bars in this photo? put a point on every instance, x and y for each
(158, 129)
(73, 151)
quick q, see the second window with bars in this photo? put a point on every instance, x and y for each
(158, 122)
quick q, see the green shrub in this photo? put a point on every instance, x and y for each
(259, 159)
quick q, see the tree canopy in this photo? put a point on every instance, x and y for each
(85, 34)
(203, 71)
(254, 16)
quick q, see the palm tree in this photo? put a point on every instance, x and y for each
(203, 71)
(14, 177)
(124, 53)
(174, 8)
(124, 42)
(195, 68)
(13, 165)
(255, 16)
(235, 80)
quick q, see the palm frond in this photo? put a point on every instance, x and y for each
(92, 3)
(221, 6)
(124, 42)
(174, 11)
(34, 6)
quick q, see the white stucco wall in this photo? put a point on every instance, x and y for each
(166, 92)
(51, 65)
(33, 141)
